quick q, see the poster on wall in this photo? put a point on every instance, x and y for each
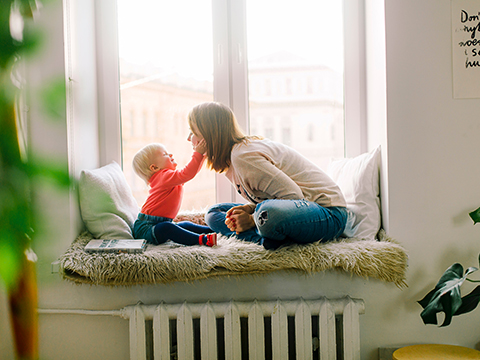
(466, 48)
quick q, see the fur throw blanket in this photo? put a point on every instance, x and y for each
(384, 259)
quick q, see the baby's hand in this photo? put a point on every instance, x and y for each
(200, 147)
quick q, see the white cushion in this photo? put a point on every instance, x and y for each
(358, 179)
(107, 205)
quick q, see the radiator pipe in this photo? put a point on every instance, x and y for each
(196, 308)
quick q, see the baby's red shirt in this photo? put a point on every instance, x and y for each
(166, 188)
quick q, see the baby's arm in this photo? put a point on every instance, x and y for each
(178, 177)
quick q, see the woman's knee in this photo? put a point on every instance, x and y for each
(212, 216)
(278, 219)
(215, 216)
(268, 217)
(215, 208)
(269, 211)
(219, 210)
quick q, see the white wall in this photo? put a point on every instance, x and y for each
(432, 165)
(430, 147)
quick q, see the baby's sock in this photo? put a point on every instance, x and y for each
(208, 239)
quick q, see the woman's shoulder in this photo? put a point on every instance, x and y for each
(259, 149)
(249, 145)
(253, 143)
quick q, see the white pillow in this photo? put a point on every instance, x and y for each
(358, 179)
(107, 205)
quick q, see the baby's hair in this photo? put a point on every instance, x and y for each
(143, 159)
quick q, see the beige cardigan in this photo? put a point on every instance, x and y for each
(265, 169)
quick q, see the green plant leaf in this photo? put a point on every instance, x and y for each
(51, 170)
(446, 296)
(475, 215)
(469, 302)
(10, 261)
(53, 96)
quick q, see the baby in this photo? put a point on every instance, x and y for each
(155, 221)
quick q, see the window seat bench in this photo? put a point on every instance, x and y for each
(383, 259)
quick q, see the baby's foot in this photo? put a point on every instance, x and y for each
(211, 239)
(208, 239)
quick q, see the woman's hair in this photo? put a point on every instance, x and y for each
(218, 126)
(143, 159)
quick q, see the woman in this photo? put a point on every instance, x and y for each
(290, 199)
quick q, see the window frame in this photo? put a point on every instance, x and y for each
(230, 67)
(108, 82)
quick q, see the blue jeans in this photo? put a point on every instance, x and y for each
(283, 222)
(157, 230)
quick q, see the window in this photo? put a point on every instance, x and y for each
(166, 67)
(284, 81)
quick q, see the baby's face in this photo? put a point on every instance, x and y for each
(163, 160)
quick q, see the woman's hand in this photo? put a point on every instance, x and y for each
(200, 146)
(240, 218)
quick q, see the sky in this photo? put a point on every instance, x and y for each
(177, 35)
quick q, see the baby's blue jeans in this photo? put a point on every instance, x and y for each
(157, 230)
(282, 222)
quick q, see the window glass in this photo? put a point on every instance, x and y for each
(166, 67)
(295, 78)
(295, 64)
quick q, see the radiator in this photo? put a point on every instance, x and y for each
(324, 329)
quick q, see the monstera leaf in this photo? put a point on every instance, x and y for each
(469, 302)
(446, 296)
(475, 215)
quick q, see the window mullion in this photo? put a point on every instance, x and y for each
(108, 82)
(355, 78)
(222, 78)
(238, 59)
(238, 69)
(221, 66)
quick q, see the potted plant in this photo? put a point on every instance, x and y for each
(446, 296)
(18, 172)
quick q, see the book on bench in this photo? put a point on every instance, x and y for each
(126, 246)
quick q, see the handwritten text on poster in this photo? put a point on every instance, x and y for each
(466, 48)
